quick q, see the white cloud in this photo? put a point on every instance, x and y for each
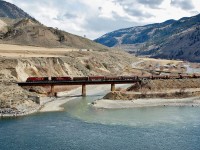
(96, 17)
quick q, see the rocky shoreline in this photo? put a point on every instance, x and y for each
(8, 112)
(12, 113)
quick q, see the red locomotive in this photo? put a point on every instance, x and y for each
(36, 79)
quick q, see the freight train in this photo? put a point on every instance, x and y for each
(90, 78)
(108, 78)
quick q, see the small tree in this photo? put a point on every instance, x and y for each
(61, 38)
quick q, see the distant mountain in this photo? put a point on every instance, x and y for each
(170, 40)
(11, 11)
(17, 27)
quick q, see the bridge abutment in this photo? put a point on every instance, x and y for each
(112, 87)
(84, 90)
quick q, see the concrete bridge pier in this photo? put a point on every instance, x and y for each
(52, 92)
(84, 90)
(112, 87)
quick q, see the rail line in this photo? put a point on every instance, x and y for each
(96, 80)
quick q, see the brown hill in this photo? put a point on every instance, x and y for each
(31, 32)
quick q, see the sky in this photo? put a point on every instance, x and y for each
(94, 18)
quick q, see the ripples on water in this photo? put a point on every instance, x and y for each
(83, 127)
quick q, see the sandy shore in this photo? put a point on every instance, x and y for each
(55, 103)
(115, 104)
(64, 97)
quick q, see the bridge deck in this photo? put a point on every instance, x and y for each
(46, 83)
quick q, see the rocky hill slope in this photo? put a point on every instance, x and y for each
(11, 11)
(171, 39)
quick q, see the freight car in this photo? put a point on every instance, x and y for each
(185, 76)
(129, 77)
(154, 77)
(61, 78)
(80, 78)
(96, 78)
(196, 76)
(144, 77)
(113, 78)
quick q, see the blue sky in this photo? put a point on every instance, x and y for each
(94, 18)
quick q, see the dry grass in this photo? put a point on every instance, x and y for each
(8, 50)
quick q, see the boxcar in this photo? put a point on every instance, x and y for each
(113, 78)
(174, 77)
(186, 76)
(159, 77)
(129, 77)
(80, 78)
(96, 78)
(61, 78)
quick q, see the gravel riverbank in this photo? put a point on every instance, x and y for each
(64, 97)
(116, 104)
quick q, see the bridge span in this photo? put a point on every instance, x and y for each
(52, 84)
(83, 81)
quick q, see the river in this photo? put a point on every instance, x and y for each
(82, 127)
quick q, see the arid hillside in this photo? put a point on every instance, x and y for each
(31, 32)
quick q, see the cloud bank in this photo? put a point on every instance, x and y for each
(94, 18)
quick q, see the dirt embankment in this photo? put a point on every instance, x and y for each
(72, 64)
(172, 88)
(165, 85)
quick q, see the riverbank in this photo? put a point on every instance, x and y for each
(52, 104)
(64, 97)
(55, 104)
(117, 104)
(9, 113)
